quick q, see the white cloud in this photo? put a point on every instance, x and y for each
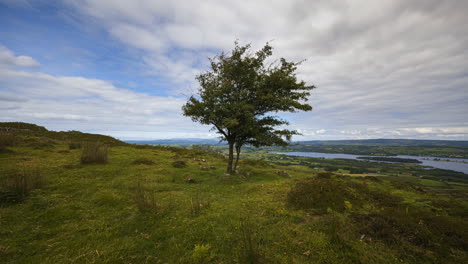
(78, 103)
(387, 62)
(8, 59)
(390, 68)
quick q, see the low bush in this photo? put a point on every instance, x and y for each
(244, 170)
(319, 194)
(324, 175)
(249, 251)
(338, 194)
(384, 199)
(18, 184)
(41, 143)
(416, 232)
(74, 145)
(144, 199)
(257, 163)
(144, 161)
(202, 253)
(452, 206)
(94, 152)
(179, 164)
(7, 140)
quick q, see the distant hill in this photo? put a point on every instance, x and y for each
(175, 141)
(387, 142)
(360, 142)
(34, 133)
(20, 127)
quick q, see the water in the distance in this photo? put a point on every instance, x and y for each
(454, 164)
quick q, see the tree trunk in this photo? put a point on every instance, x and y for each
(238, 149)
(231, 157)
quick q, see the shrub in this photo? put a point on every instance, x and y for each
(19, 183)
(94, 152)
(179, 164)
(6, 140)
(244, 170)
(324, 175)
(384, 199)
(415, 231)
(320, 194)
(41, 143)
(257, 163)
(74, 145)
(249, 246)
(144, 161)
(144, 199)
(201, 253)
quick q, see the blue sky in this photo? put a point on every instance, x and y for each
(392, 69)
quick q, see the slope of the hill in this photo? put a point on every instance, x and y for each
(172, 205)
(12, 133)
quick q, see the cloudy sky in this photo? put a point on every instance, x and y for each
(384, 69)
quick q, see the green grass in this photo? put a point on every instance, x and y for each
(146, 212)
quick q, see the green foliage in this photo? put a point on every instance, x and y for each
(458, 149)
(249, 246)
(40, 143)
(202, 253)
(239, 94)
(74, 145)
(321, 194)
(324, 175)
(367, 167)
(256, 163)
(94, 152)
(144, 199)
(18, 183)
(414, 231)
(391, 159)
(6, 140)
(179, 164)
(326, 192)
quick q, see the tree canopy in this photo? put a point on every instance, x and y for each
(240, 95)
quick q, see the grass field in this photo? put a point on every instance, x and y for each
(170, 205)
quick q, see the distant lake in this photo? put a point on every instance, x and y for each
(436, 162)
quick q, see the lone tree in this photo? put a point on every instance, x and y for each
(240, 95)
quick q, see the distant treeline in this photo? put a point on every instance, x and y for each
(366, 167)
(389, 159)
(388, 142)
(428, 151)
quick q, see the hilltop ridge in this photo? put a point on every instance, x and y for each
(34, 134)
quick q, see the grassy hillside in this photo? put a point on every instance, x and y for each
(170, 205)
(18, 133)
